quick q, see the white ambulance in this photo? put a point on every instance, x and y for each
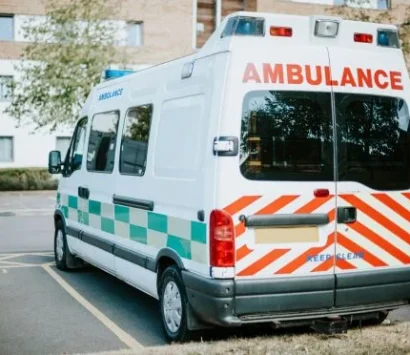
(265, 178)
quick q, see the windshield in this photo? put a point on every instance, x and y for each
(288, 136)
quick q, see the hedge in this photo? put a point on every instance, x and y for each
(23, 179)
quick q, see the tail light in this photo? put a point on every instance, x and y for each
(222, 239)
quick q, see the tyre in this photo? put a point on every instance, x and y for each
(173, 304)
(60, 247)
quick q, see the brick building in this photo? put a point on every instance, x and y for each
(153, 31)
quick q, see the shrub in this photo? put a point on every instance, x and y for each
(23, 179)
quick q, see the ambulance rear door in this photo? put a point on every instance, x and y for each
(371, 93)
(280, 188)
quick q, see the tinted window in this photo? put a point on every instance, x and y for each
(373, 140)
(101, 146)
(135, 140)
(287, 136)
(74, 156)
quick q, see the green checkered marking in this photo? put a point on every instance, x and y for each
(187, 238)
(139, 234)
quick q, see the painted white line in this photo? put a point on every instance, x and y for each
(19, 266)
(10, 256)
(13, 263)
(114, 328)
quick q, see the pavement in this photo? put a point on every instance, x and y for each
(46, 311)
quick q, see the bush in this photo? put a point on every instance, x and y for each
(23, 179)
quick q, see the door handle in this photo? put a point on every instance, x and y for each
(83, 192)
(346, 215)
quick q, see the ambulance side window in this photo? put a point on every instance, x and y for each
(102, 142)
(74, 157)
(135, 137)
(287, 135)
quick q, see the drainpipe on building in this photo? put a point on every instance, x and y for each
(194, 22)
(218, 14)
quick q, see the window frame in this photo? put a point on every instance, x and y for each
(66, 172)
(12, 149)
(13, 25)
(116, 138)
(122, 139)
(2, 98)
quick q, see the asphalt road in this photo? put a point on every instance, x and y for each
(45, 311)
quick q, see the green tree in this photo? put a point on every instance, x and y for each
(357, 10)
(65, 57)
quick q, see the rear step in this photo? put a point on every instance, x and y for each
(330, 326)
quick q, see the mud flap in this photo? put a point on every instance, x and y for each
(193, 322)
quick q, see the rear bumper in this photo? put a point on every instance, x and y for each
(233, 303)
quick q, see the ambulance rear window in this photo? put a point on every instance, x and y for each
(373, 141)
(287, 135)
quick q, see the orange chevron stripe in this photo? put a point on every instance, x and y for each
(325, 266)
(242, 252)
(273, 207)
(239, 229)
(302, 259)
(332, 215)
(372, 213)
(354, 248)
(240, 204)
(277, 204)
(394, 205)
(344, 264)
(406, 194)
(263, 262)
(314, 204)
(382, 243)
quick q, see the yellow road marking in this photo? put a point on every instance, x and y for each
(114, 328)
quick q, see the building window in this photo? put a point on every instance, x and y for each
(101, 146)
(62, 145)
(6, 149)
(6, 28)
(134, 32)
(5, 87)
(135, 140)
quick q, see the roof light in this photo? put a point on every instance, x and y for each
(363, 38)
(388, 38)
(326, 28)
(116, 73)
(244, 26)
(281, 31)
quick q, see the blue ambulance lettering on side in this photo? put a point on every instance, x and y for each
(110, 94)
(340, 256)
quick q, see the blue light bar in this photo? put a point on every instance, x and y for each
(116, 73)
(388, 38)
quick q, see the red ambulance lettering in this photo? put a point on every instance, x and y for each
(295, 74)
(364, 78)
(347, 78)
(273, 74)
(328, 76)
(251, 74)
(395, 78)
(377, 79)
(317, 77)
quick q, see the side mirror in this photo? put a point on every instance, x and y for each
(54, 162)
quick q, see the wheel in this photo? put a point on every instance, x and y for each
(173, 303)
(60, 247)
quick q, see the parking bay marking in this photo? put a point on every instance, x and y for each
(114, 328)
